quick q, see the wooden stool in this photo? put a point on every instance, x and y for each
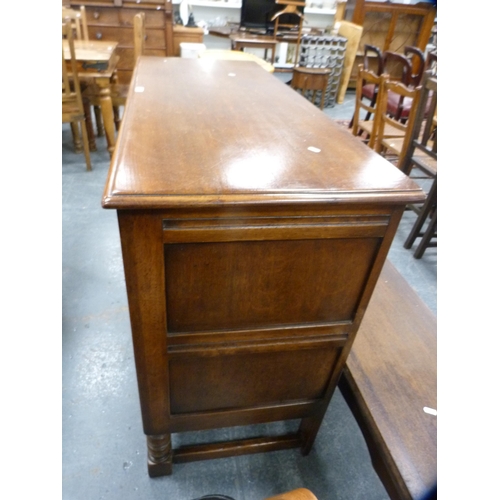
(311, 79)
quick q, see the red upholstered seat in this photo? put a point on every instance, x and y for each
(393, 103)
(369, 91)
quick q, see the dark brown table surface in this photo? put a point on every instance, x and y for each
(216, 131)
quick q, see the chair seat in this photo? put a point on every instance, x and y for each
(389, 130)
(118, 94)
(393, 103)
(423, 160)
(71, 110)
(369, 90)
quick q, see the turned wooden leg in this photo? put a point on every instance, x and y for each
(98, 121)
(77, 143)
(116, 114)
(88, 126)
(107, 112)
(159, 455)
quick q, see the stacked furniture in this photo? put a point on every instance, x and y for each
(114, 20)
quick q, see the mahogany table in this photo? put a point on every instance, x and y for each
(97, 60)
(253, 231)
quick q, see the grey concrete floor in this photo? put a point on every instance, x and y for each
(104, 449)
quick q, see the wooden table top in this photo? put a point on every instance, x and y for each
(93, 56)
(203, 131)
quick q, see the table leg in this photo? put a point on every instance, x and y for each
(77, 143)
(107, 112)
(159, 455)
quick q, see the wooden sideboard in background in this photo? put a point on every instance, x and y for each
(113, 20)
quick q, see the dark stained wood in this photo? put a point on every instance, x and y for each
(249, 258)
(235, 448)
(389, 378)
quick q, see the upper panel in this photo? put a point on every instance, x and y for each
(200, 131)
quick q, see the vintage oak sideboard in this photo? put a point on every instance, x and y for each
(113, 20)
(253, 231)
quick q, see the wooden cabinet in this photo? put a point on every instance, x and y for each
(253, 231)
(113, 20)
(392, 26)
(183, 34)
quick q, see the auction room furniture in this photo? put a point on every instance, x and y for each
(298, 494)
(72, 105)
(390, 384)
(395, 66)
(320, 64)
(78, 20)
(185, 34)
(98, 61)
(250, 248)
(292, 32)
(392, 26)
(393, 136)
(352, 32)
(118, 91)
(114, 20)
(365, 127)
(235, 55)
(421, 154)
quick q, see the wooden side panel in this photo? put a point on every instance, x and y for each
(243, 379)
(254, 284)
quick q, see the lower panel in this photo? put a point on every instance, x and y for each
(245, 380)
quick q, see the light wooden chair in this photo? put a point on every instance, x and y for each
(392, 135)
(367, 128)
(78, 21)
(118, 92)
(72, 105)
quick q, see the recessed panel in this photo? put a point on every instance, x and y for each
(252, 284)
(205, 383)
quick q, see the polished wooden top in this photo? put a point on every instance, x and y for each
(93, 57)
(204, 132)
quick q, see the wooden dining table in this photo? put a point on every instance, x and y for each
(97, 61)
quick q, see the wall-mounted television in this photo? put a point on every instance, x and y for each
(256, 15)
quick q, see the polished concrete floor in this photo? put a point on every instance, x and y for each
(104, 449)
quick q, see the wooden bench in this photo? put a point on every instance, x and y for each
(389, 379)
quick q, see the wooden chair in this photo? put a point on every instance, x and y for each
(396, 66)
(320, 66)
(78, 21)
(72, 105)
(294, 31)
(366, 127)
(421, 154)
(372, 56)
(417, 59)
(298, 494)
(393, 136)
(118, 92)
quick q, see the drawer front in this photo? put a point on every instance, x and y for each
(97, 16)
(154, 38)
